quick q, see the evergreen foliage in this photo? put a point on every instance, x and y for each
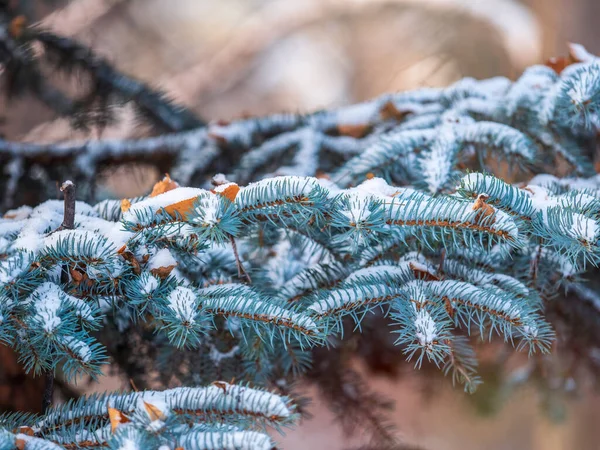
(389, 208)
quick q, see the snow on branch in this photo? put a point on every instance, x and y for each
(327, 220)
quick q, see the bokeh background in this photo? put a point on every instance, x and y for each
(231, 58)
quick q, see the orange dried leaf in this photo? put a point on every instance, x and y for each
(20, 444)
(125, 205)
(229, 190)
(80, 278)
(484, 210)
(16, 26)
(577, 54)
(162, 272)
(153, 412)
(28, 431)
(131, 259)
(76, 275)
(558, 64)
(355, 131)
(164, 185)
(180, 209)
(422, 274)
(116, 418)
(221, 385)
(389, 111)
(322, 175)
(10, 215)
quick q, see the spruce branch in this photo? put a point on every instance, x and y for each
(391, 231)
(68, 223)
(151, 103)
(242, 273)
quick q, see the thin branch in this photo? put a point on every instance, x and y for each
(68, 189)
(152, 103)
(23, 74)
(48, 391)
(68, 223)
(241, 271)
(442, 260)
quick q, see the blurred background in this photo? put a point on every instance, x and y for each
(232, 58)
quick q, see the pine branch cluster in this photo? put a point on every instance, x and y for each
(388, 208)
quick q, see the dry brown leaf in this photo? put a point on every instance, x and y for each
(76, 275)
(389, 111)
(125, 205)
(80, 278)
(355, 131)
(131, 259)
(229, 190)
(484, 210)
(221, 385)
(423, 274)
(322, 175)
(116, 418)
(28, 431)
(559, 63)
(180, 209)
(162, 272)
(153, 412)
(164, 185)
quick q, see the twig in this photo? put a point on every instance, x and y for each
(153, 103)
(68, 223)
(241, 271)
(48, 391)
(68, 190)
(23, 73)
(534, 265)
(442, 260)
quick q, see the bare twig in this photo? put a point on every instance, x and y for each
(68, 190)
(68, 223)
(442, 260)
(152, 103)
(241, 271)
(48, 390)
(534, 266)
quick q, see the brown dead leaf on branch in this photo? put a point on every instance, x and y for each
(229, 190)
(354, 130)
(131, 259)
(483, 209)
(125, 205)
(181, 209)
(164, 185)
(153, 412)
(577, 54)
(116, 418)
(162, 272)
(389, 111)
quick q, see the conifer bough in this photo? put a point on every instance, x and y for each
(261, 272)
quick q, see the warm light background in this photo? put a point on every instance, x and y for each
(228, 58)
